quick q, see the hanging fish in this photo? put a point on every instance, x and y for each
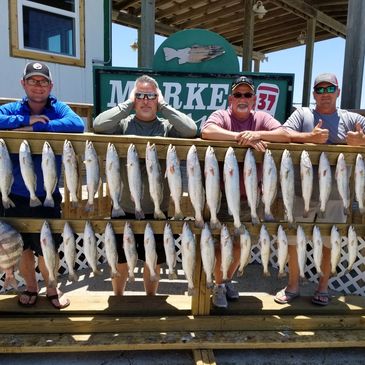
(6, 173)
(306, 177)
(269, 184)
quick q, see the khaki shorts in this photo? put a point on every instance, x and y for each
(334, 214)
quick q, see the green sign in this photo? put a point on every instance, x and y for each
(197, 51)
(195, 94)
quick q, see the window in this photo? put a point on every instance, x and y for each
(48, 30)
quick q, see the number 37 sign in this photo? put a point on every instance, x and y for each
(267, 97)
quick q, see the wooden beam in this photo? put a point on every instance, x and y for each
(301, 8)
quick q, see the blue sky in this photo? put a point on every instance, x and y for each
(328, 57)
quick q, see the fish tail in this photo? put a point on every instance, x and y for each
(89, 207)
(239, 230)
(362, 210)
(199, 223)
(255, 220)
(139, 214)
(266, 274)
(154, 277)
(131, 278)
(305, 213)
(48, 202)
(73, 277)
(191, 291)
(172, 275)
(268, 217)
(10, 281)
(52, 283)
(346, 210)
(159, 215)
(321, 213)
(170, 53)
(210, 285)
(117, 212)
(114, 274)
(179, 215)
(240, 272)
(7, 203)
(97, 272)
(281, 274)
(34, 202)
(74, 204)
(215, 224)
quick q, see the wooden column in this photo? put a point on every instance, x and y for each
(147, 45)
(354, 55)
(247, 45)
(311, 33)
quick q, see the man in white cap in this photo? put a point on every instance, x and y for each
(38, 111)
(324, 124)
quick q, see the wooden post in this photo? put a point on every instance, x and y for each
(147, 46)
(247, 45)
(354, 56)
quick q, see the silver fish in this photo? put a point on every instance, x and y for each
(245, 254)
(342, 179)
(282, 251)
(69, 160)
(90, 248)
(195, 185)
(6, 173)
(154, 180)
(114, 180)
(11, 249)
(111, 249)
(212, 186)
(92, 174)
(301, 251)
(150, 252)
(207, 251)
(317, 250)
(193, 54)
(306, 176)
(130, 250)
(226, 245)
(188, 256)
(173, 175)
(335, 248)
(269, 184)
(250, 181)
(232, 187)
(287, 185)
(360, 182)
(353, 247)
(50, 254)
(135, 179)
(265, 242)
(170, 252)
(69, 249)
(49, 170)
(28, 174)
(325, 181)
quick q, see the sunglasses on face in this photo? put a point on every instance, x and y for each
(328, 89)
(243, 95)
(149, 96)
(33, 82)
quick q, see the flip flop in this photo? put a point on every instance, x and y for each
(30, 295)
(285, 297)
(317, 298)
(57, 297)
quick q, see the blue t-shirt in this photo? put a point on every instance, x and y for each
(62, 120)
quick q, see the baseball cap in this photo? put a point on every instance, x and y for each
(37, 69)
(243, 80)
(326, 77)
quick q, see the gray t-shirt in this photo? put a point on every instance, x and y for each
(118, 120)
(337, 123)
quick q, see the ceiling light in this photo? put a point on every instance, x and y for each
(302, 37)
(134, 46)
(259, 9)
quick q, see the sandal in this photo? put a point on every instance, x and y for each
(285, 297)
(57, 297)
(321, 298)
(30, 295)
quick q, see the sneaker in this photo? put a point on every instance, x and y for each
(219, 298)
(231, 292)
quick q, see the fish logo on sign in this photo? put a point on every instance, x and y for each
(193, 54)
(267, 98)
